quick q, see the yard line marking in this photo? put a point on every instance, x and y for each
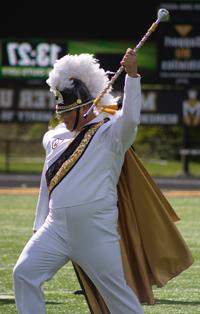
(18, 191)
(33, 191)
(182, 193)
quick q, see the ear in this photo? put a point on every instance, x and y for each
(84, 109)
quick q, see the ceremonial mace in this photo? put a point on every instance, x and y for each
(162, 16)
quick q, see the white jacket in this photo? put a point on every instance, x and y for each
(96, 173)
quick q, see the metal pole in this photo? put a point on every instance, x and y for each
(7, 155)
(185, 157)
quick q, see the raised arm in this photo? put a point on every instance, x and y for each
(124, 130)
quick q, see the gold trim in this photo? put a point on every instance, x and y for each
(62, 109)
(77, 102)
(69, 163)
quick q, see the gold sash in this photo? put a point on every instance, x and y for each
(75, 154)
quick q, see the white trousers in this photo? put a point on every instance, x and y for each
(88, 236)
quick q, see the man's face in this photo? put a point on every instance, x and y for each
(69, 118)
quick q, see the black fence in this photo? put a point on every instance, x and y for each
(18, 155)
(27, 156)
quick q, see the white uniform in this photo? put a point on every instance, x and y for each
(79, 220)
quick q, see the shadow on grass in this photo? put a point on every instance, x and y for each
(53, 302)
(12, 301)
(164, 301)
(7, 301)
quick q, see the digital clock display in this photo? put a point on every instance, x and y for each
(30, 58)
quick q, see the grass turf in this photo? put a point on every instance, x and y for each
(180, 295)
(154, 167)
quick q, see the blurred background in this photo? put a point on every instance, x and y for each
(33, 35)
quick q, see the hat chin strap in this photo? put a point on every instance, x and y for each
(77, 119)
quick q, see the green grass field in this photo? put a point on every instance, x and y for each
(155, 167)
(181, 295)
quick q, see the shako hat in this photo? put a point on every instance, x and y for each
(76, 80)
(72, 98)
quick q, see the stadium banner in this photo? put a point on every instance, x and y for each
(25, 95)
(179, 44)
(25, 103)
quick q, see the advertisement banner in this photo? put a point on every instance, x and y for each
(179, 44)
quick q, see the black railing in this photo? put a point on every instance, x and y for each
(21, 155)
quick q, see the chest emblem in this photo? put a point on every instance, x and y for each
(56, 143)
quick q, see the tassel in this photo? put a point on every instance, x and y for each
(108, 110)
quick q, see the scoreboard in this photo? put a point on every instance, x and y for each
(25, 64)
(29, 58)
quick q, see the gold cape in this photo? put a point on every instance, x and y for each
(153, 250)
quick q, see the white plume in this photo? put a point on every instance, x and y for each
(85, 68)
